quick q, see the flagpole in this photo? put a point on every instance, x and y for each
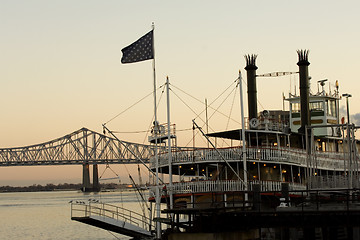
(157, 189)
(141, 50)
(154, 73)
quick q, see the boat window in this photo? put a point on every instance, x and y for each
(331, 108)
(317, 106)
(295, 107)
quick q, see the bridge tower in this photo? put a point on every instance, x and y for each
(96, 184)
(86, 186)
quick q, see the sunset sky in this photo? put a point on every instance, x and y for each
(60, 64)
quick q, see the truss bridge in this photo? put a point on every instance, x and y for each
(82, 147)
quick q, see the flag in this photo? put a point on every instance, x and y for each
(140, 50)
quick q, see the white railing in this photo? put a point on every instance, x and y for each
(324, 160)
(228, 186)
(208, 186)
(82, 209)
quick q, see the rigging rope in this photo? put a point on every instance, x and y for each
(257, 99)
(198, 99)
(143, 131)
(221, 105)
(141, 195)
(210, 105)
(153, 117)
(232, 106)
(215, 110)
(190, 109)
(131, 106)
(141, 203)
(106, 167)
(115, 235)
(147, 131)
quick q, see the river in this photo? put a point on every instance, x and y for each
(46, 215)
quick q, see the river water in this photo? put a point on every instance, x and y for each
(46, 215)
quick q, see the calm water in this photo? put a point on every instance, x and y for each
(46, 215)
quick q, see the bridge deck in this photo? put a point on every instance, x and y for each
(80, 147)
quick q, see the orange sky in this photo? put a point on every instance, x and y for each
(60, 62)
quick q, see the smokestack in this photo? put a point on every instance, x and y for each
(304, 88)
(251, 85)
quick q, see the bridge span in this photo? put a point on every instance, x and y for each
(82, 147)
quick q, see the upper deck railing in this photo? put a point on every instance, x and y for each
(279, 155)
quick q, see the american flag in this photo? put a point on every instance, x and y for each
(140, 50)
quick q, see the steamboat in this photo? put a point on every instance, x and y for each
(290, 175)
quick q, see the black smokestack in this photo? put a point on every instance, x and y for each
(251, 85)
(304, 88)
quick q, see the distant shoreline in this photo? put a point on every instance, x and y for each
(60, 187)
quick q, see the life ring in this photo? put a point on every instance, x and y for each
(254, 123)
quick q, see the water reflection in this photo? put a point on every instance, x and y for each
(46, 215)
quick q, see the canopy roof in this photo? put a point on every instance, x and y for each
(236, 133)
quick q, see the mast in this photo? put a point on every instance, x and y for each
(207, 119)
(169, 144)
(243, 136)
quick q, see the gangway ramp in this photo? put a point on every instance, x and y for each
(112, 218)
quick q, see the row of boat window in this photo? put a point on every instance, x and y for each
(330, 106)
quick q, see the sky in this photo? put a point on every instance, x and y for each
(60, 64)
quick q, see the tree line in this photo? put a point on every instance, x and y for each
(58, 187)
